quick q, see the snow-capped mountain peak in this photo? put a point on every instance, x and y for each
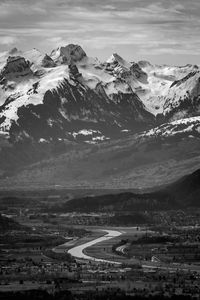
(68, 92)
(116, 59)
(68, 54)
(183, 97)
(15, 66)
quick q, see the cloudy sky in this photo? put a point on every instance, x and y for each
(162, 31)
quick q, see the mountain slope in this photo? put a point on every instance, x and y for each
(7, 224)
(181, 194)
(183, 98)
(69, 119)
(187, 189)
(157, 91)
(137, 161)
(188, 127)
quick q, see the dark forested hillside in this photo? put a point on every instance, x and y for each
(181, 194)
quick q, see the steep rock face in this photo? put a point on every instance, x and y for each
(74, 111)
(130, 72)
(138, 72)
(117, 64)
(74, 72)
(47, 62)
(69, 54)
(15, 66)
(183, 98)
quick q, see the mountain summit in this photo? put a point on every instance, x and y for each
(68, 54)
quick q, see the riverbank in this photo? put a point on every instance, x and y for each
(78, 251)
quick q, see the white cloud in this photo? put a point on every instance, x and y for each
(8, 40)
(56, 41)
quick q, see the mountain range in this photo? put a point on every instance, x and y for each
(67, 119)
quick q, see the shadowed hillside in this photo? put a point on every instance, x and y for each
(7, 224)
(181, 194)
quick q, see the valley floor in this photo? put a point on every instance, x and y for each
(83, 254)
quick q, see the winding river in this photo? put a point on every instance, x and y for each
(78, 250)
